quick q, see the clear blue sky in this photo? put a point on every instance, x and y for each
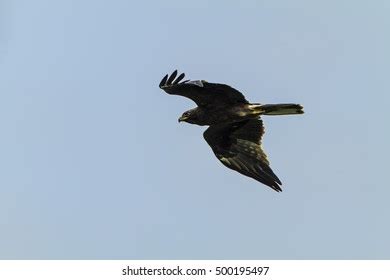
(94, 164)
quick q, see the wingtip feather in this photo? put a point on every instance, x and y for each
(163, 81)
(172, 77)
(171, 81)
(181, 76)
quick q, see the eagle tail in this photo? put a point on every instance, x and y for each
(277, 109)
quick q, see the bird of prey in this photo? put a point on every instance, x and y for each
(235, 128)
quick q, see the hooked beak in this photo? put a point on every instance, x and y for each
(182, 119)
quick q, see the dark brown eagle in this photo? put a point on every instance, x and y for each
(235, 128)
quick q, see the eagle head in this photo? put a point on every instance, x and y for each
(190, 116)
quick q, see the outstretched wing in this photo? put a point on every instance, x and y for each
(204, 94)
(238, 146)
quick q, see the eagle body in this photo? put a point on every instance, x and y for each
(213, 116)
(235, 127)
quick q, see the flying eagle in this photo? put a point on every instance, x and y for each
(235, 128)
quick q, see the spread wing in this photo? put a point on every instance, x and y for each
(238, 146)
(204, 94)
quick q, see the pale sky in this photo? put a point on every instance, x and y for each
(95, 165)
